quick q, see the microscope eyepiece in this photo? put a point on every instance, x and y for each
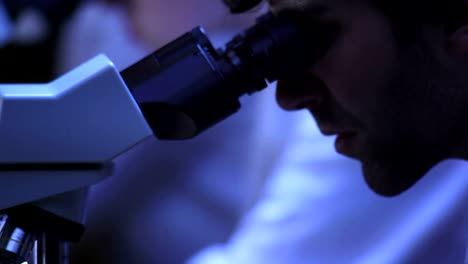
(188, 86)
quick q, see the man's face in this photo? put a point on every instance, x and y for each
(396, 108)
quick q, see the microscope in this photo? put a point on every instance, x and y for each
(59, 138)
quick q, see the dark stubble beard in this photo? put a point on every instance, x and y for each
(391, 177)
(425, 118)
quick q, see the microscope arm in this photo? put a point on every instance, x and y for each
(62, 136)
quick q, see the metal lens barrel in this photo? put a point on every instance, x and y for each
(16, 245)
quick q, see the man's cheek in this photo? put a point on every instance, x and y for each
(359, 104)
(359, 86)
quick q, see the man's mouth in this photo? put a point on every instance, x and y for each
(347, 144)
(346, 141)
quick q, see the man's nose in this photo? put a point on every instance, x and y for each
(299, 93)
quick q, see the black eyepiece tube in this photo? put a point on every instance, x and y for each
(188, 86)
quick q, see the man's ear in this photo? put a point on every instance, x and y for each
(456, 29)
(458, 42)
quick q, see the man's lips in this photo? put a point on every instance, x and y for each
(328, 131)
(346, 141)
(347, 144)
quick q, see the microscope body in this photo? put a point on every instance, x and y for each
(56, 140)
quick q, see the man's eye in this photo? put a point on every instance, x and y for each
(319, 35)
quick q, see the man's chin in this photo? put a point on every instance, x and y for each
(391, 180)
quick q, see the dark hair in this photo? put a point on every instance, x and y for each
(406, 16)
(409, 15)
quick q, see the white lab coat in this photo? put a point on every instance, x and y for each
(316, 208)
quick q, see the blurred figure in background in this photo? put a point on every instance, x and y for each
(28, 40)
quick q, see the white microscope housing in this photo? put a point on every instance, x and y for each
(59, 138)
